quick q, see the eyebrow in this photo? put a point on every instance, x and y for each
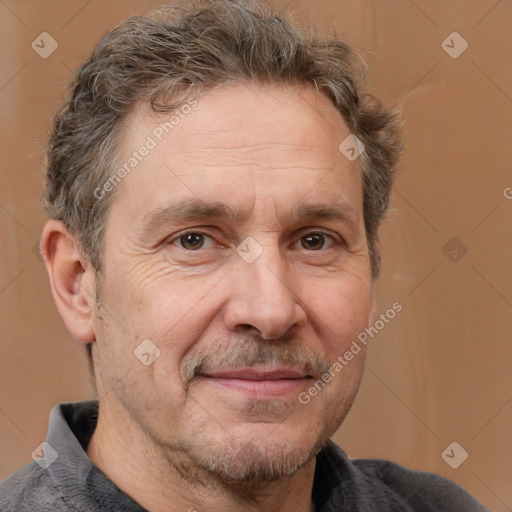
(189, 210)
(338, 211)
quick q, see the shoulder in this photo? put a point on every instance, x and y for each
(30, 488)
(384, 486)
(422, 491)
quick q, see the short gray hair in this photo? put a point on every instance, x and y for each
(172, 55)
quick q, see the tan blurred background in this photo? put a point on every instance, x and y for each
(437, 373)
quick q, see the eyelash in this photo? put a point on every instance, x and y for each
(193, 232)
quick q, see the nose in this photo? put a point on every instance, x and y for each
(263, 298)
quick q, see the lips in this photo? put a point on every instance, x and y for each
(251, 373)
(260, 382)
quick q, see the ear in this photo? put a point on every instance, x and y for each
(372, 314)
(71, 279)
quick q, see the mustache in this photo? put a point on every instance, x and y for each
(248, 352)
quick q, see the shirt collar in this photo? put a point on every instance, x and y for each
(83, 485)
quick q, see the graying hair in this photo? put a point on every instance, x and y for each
(174, 54)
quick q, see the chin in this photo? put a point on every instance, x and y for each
(269, 444)
(259, 455)
(248, 461)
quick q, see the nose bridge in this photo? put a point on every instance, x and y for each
(264, 297)
(271, 278)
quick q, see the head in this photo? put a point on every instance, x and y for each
(205, 227)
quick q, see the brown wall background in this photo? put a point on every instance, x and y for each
(440, 371)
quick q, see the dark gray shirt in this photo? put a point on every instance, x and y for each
(71, 482)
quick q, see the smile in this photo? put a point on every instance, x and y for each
(260, 383)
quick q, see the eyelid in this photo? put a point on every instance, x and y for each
(170, 240)
(320, 231)
(337, 240)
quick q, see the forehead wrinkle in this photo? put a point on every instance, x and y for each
(262, 156)
(249, 147)
(258, 150)
(206, 167)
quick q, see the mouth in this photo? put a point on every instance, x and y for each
(260, 382)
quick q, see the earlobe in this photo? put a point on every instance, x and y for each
(71, 279)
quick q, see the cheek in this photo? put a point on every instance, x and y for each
(342, 310)
(172, 311)
(143, 295)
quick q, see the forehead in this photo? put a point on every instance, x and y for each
(235, 144)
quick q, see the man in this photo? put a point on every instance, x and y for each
(215, 185)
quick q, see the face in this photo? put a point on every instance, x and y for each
(236, 245)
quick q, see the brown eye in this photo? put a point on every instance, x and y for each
(313, 241)
(191, 241)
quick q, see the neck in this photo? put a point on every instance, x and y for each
(162, 480)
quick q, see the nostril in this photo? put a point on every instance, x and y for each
(250, 330)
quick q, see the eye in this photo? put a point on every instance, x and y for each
(192, 240)
(316, 241)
